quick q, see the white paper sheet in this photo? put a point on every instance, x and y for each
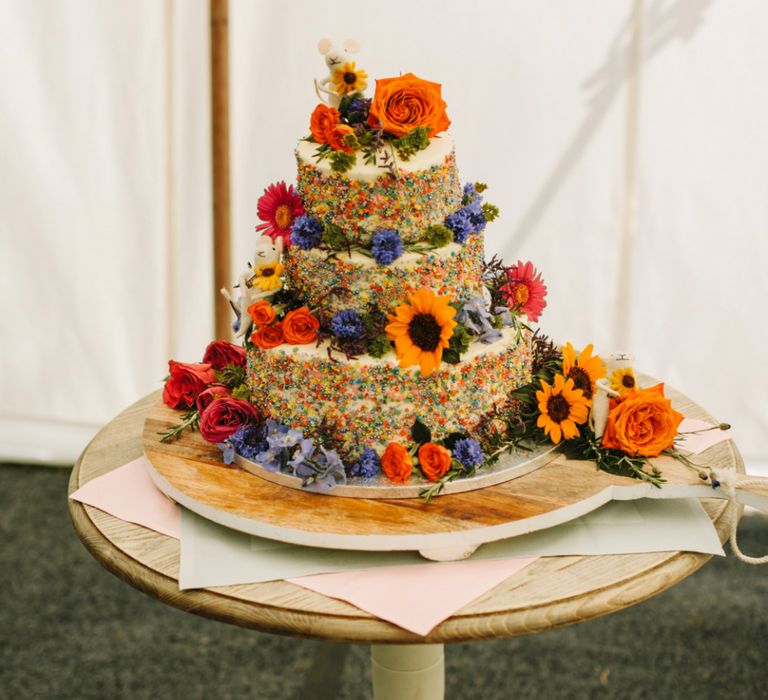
(212, 555)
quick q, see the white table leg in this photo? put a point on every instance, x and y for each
(408, 671)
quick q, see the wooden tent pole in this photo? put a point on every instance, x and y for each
(219, 17)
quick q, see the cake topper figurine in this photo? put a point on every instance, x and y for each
(617, 363)
(259, 281)
(335, 59)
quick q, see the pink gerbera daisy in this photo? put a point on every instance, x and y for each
(278, 207)
(524, 290)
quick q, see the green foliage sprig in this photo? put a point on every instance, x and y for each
(189, 421)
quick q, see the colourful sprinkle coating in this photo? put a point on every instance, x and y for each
(358, 281)
(407, 203)
(374, 402)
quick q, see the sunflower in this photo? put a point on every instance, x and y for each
(585, 369)
(421, 330)
(623, 381)
(348, 79)
(267, 276)
(562, 407)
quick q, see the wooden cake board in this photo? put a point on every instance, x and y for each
(450, 527)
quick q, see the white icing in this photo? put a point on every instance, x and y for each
(408, 259)
(435, 154)
(320, 352)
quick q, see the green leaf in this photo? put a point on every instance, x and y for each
(420, 432)
(451, 356)
(490, 211)
(450, 442)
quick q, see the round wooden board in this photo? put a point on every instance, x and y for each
(551, 592)
(191, 472)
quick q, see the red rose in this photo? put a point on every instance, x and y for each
(212, 392)
(186, 383)
(220, 353)
(222, 417)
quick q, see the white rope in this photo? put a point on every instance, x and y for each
(728, 480)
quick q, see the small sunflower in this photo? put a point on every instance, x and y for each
(585, 369)
(267, 276)
(623, 381)
(421, 330)
(562, 407)
(347, 79)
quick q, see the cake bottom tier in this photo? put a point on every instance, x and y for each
(368, 402)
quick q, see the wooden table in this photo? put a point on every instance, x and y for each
(552, 592)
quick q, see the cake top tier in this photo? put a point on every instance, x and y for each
(383, 132)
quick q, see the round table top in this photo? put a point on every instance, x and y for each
(551, 592)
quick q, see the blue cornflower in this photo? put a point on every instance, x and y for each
(387, 246)
(306, 232)
(460, 224)
(469, 193)
(347, 325)
(468, 452)
(368, 465)
(247, 441)
(476, 215)
(357, 112)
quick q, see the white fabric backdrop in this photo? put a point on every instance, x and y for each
(105, 201)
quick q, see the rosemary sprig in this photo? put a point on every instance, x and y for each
(190, 420)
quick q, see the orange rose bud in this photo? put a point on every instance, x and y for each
(322, 121)
(335, 137)
(268, 336)
(396, 463)
(401, 104)
(262, 313)
(434, 460)
(300, 327)
(643, 424)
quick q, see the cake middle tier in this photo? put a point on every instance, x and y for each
(368, 402)
(331, 282)
(408, 197)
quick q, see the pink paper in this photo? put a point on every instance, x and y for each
(697, 442)
(417, 597)
(130, 494)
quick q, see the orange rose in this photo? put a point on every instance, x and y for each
(300, 327)
(396, 463)
(434, 460)
(262, 313)
(643, 424)
(401, 104)
(268, 336)
(322, 121)
(335, 137)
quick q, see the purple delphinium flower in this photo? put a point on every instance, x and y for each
(468, 452)
(367, 465)
(319, 470)
(306, 232)
(347, 325)
(475, 317)
(387, 246)
(469, 193)
(280, 439)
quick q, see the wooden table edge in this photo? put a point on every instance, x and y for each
(365, 628)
